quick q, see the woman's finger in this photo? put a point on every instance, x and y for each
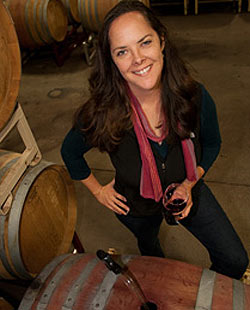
(184, 213)
(113, 200)
(115, 205)
(122, 205)
(120, 197)
(120, 210)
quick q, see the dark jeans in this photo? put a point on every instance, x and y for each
(209, 225)
(146, 230)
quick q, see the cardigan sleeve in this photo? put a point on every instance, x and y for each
(210, 137)
(73, 148)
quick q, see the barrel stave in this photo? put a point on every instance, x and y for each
(247, 296)
(10, 69)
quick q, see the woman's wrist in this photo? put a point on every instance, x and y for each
(98, 191)
(93, 185)
(190, 184)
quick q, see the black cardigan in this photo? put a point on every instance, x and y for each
(127, 162)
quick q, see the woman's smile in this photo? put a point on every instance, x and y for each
(144, 71)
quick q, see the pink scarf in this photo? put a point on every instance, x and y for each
(150, 186)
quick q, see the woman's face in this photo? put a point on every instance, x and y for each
(137, 52)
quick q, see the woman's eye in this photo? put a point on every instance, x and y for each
(148, 42)
(121, 53)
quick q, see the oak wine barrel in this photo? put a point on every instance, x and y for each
(81, 281)
(72, 11)
(92, 12)
(10, 68)
(38, 22)
(41, 222)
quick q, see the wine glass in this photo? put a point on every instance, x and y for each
(173, 203)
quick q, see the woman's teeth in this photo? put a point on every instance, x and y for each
(141, 72)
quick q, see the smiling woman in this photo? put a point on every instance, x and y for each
(159, 127)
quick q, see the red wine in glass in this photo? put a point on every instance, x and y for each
(173, 205)
(177, 205)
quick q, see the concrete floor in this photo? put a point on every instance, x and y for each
(217, 47)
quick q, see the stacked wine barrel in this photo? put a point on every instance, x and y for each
(72, 11)
(41, 221)
(10, 69)
(81, 281)
(92, 12)
(43, 22)
(38, 22)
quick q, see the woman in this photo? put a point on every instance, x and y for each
(159, 126)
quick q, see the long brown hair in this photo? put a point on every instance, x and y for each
(106, 116)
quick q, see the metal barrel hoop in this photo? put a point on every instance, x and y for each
(3, 254)
(38, 282)
(15, 217)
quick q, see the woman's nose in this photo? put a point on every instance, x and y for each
(138, 56)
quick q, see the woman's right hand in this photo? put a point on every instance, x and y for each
(111, 199)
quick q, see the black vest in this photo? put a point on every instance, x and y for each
(127, 162)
